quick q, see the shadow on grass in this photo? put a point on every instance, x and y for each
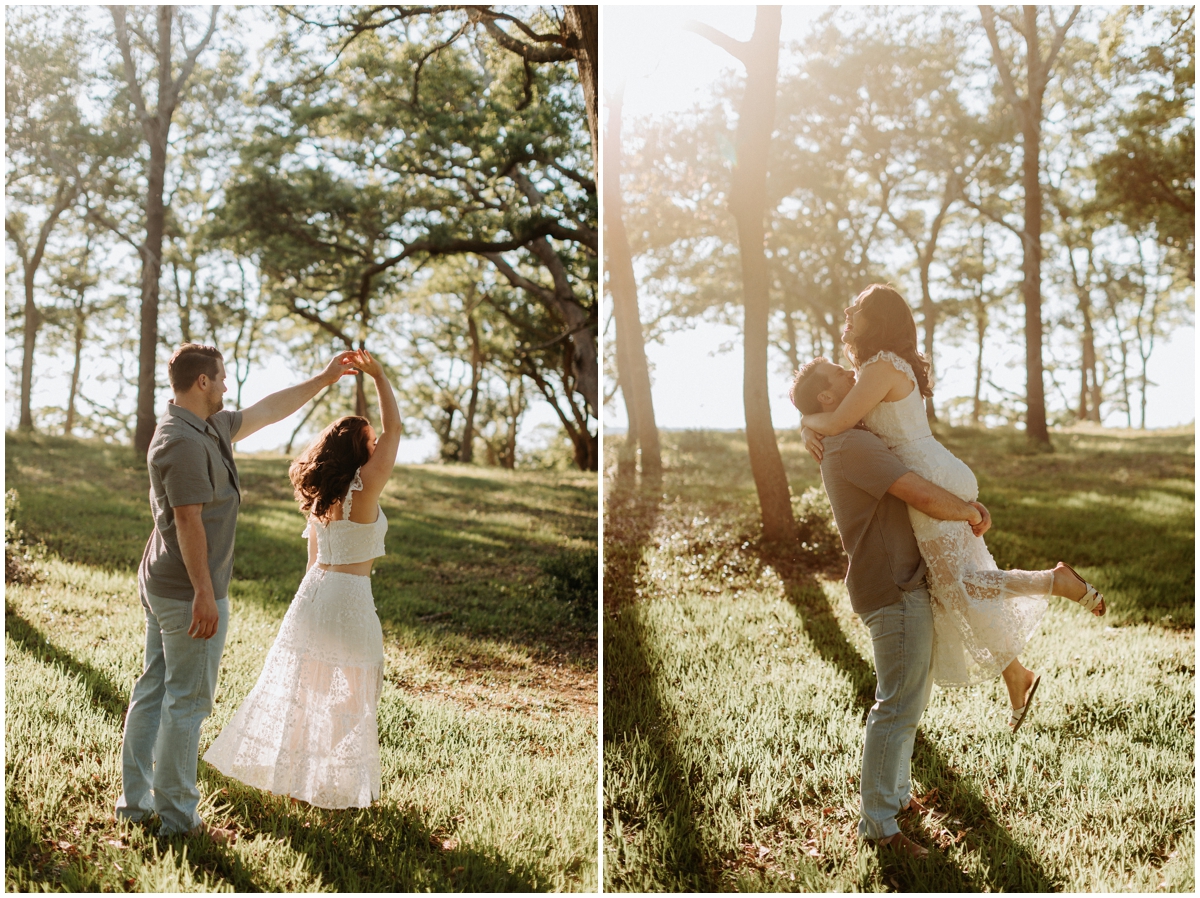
(634, 714)
(105, 694)
(1020, 871)
(383, 848)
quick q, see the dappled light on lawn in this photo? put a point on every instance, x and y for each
(487, 719)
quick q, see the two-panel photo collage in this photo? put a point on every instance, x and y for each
(602, 449)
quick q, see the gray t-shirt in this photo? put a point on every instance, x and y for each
(858, 470)
(191, 462)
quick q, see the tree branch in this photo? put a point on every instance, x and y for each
(735, 48)
(1002, 66)
(135, 89)
(1060, 35)
(1020, 232)
(189, 63)
(508, 42)
(586, 183)
(105, 222)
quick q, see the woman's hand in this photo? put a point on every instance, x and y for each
(813, 442)
(985, 519)
(366, 364)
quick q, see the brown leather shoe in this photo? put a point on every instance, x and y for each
(901, 842)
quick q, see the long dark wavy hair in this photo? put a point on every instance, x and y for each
(321, 474)
(888, 325)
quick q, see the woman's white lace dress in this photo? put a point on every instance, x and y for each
(308, 727)
(982, 616)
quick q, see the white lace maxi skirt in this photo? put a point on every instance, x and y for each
(982, 616)
(308, 727)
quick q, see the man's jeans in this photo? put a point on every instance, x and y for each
(902, 636)
(162, 728)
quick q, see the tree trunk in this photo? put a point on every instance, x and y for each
(156, 127)
(1029, 114)
(152, 260)
(360, 396)
(1031, 287)
(583, 27)
(30, 264)
(980, 334)
(586, 366)
(80, 328)
(33, 320)
(748, 200)
(633, 373)
(465, 452)
(1123, 345)
(793, 351)
(928, 322)
(513, 418)
(1089, 396)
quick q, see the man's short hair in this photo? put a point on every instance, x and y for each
(808, 382)
(188, 362)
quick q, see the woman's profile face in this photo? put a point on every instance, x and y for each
(855, 319)
(372, 439)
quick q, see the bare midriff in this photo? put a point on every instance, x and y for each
(362, 568)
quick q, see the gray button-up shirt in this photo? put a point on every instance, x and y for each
(191, 463)
(858, 470)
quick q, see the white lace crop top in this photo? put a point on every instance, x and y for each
(345, 541)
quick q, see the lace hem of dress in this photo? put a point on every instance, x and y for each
(991, 614)
(897, 362)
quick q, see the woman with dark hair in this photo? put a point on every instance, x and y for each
(983, 616)
(308, 727)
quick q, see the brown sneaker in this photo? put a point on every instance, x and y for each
(900, 842)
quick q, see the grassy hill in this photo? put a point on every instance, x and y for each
(487, 720)
(737, 683)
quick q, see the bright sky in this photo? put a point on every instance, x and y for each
(667, 70)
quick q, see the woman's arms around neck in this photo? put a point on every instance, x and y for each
(876, 383)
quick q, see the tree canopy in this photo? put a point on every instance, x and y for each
(420, 181)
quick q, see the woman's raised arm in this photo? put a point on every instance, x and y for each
(378, 468)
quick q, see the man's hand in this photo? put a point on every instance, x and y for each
(813, 442)
(193, 545)
(985, 524)
(204, 616)
(342, 364)
(936, 502)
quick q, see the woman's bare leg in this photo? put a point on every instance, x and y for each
(1069, 586)
(1018, 678)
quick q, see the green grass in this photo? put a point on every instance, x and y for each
(487, 719)
(736, 685)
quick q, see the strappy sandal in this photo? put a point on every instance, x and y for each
(1019, 714)
(1091, 599)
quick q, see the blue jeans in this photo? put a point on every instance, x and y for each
(902, 636)
(162, 727)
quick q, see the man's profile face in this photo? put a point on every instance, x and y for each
(216, 389)
(840, 382)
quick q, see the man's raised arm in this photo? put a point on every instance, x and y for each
(279, 405)
(939, 503)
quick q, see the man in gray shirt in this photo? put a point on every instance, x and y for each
(183, 580)
(870, 491)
